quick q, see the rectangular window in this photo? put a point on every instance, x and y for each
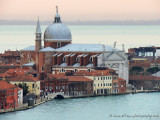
(58, 45)
(42, 69)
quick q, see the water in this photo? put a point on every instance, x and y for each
(93, 108)
(98, 108)
(18, 37)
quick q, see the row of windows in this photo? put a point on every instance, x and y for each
(103, 78)
(105, 84)
(62, 70)
(77, 59)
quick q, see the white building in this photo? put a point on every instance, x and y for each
(116, 60)
(20, 96)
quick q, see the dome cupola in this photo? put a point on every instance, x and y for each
(57, 32)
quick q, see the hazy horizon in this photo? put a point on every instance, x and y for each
(106, 22)
(71, 10)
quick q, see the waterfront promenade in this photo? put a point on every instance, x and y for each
(53, 95)
(37, 102)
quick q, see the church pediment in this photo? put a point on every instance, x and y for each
(114, 56)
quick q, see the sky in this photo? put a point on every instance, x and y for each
(80, 10)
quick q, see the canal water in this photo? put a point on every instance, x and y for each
(141, 106)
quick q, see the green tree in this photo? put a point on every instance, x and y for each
(153, 70)
(20, 85)
(24, 87)
(137, 69)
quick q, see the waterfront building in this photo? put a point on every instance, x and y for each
(59, 54)
(69, 85)
(20, 96)
(105, 81)
(32, 82)
(147, 82)
(118, 85)
(8, 95)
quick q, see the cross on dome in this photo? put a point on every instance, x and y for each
(57, 18)
(57, 9)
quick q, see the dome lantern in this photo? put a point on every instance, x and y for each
(57, 18)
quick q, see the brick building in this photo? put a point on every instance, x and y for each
(70, 85)
(8, 95)
(105, 81)
(10, 56)
(59, 54)
(145, 82)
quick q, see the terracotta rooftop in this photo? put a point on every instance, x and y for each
(93, 73)
(73, 78)
(120, 79)
(5, 85)
(143, 77)
(11, 64)
(14, 72)
(11, 53)
(141, 64)
(24, 78)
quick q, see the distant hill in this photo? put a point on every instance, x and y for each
(107, 22)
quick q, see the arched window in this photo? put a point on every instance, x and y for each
(77, 59)
(64, 59)
(91, 59)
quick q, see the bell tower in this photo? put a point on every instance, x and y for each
(38, 41)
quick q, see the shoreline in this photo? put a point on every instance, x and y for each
(71, 97)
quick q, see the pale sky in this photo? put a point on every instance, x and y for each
(83, 10)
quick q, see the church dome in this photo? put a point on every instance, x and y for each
(57, 32)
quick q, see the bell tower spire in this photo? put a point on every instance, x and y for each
(38, 44)
(57, 18)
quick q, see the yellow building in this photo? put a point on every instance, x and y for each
(32, 82)
(102, 84)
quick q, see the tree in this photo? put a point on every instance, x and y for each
(153, 70)
(20, 85)
(24, 87)
(137, 69)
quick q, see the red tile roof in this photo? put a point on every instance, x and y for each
(24, 78)
(140, 64)
(120, 79)
(17, 71)
(11, 53)
(5, 85)
(14, 72)
(72, 78)
(143, 77)
(93, 73)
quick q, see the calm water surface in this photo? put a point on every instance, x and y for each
(18, 37)
(94, 108)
